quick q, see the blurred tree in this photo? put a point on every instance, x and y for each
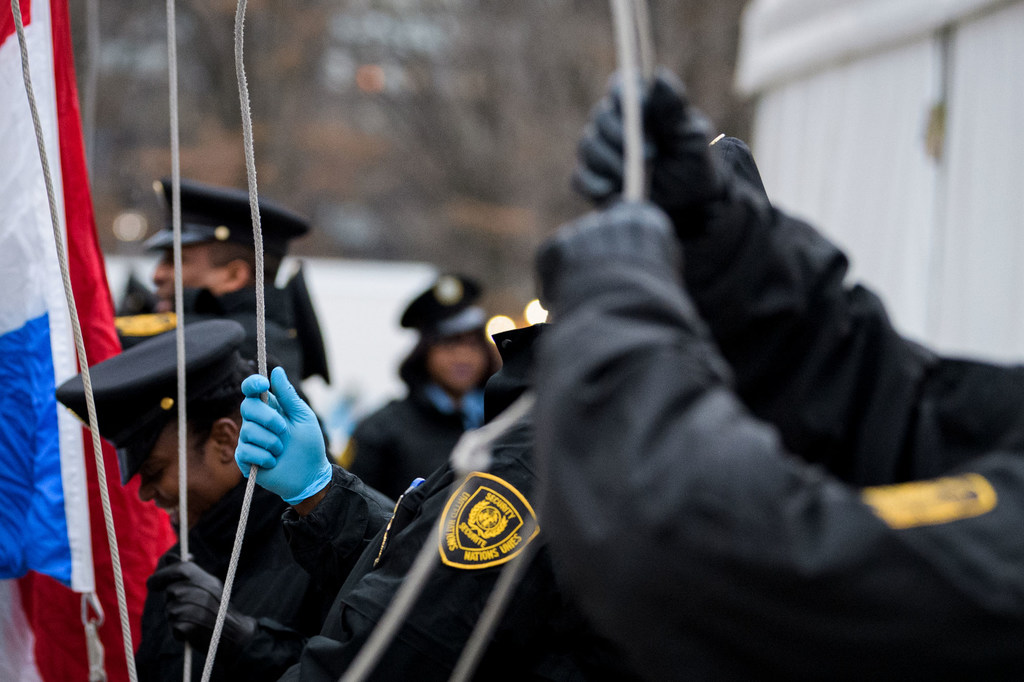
(431, 130)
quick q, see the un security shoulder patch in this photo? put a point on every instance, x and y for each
(928, 503)
(486, 522)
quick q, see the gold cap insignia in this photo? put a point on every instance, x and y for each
(928, 503)
(448, 290)
(221, 233)
(486, 522)
(166, 403)
(148, 324)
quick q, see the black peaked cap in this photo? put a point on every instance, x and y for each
(211, 214)
(135, 392)
(446, 308)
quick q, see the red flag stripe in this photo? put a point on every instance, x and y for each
(7, 28)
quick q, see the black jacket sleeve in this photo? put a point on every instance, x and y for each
(698, 544)
(539, 636)
(328, 541)
(820, 359)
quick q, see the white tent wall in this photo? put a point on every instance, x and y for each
(981, 238)
(843, 150)
(840, 138)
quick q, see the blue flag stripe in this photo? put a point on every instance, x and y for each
(33, 527)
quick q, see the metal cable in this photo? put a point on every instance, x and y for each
(91, 80)
(626, 48)
(62, 259)
(645, 41)
(261, 337)
(179, 308)
(631, 39)
(511, 574)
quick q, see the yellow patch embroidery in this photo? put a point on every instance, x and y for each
(926, 503)
(145, 325)
(486, 522)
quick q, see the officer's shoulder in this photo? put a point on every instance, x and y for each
(134, 329)
(144, 325)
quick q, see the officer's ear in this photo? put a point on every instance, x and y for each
(237, 274)
(223, 440)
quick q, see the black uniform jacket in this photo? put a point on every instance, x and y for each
(708, 551)
(269, 585)
(821, 361)
(541, 635)
(401, 441)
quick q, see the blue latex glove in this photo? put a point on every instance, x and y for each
(282, 437)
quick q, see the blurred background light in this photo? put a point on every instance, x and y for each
(499, 324)
(130, 226)
(535, 312)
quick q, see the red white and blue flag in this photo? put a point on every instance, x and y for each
(52, 540)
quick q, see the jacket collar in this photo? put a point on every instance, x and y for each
(516, 348)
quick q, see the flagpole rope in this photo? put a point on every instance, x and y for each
(83, 361)
(478, 446)
(633, 33)
(465, 460)
(261, 336)
(179, 306)
(626, 48)
(494, 608)
(91, 81)
(472, 452)
(645, 41)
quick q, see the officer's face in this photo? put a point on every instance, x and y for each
(211, 470)
(458, 363)
(198, 271)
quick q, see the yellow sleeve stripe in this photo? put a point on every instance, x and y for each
(937, 501)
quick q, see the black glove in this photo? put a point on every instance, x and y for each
(685, 176)
(193, 597)
(635, 232)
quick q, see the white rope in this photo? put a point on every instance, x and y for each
(229, 579)
(58, 236)
(91, 80)
(261, 339)
(473, 450)
(645, 42)
(395, 614)
(495, 607)
(631, 39)
(626, 48)
(471, 453)
(179, 306)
